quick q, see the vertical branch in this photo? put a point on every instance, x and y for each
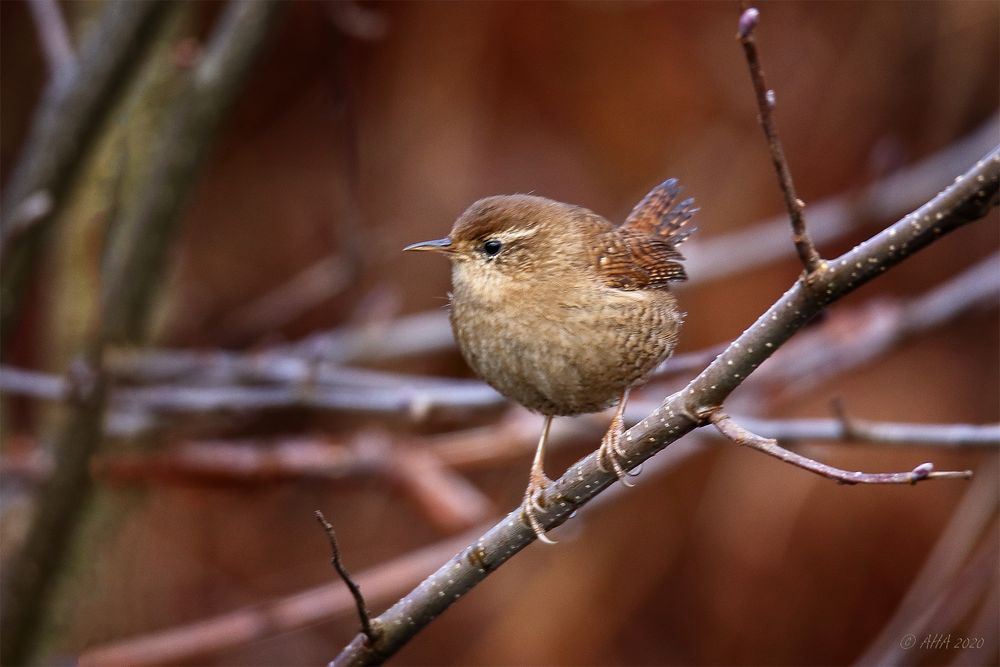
(66, 122)
(30, 572)
(52, 35)
(189, 127)
(765, 104)
(129, 275)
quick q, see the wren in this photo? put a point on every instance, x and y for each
(560, 310)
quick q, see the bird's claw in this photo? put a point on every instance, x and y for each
(611, 453)
(533, 504)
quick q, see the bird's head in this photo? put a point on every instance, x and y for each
(508, 237)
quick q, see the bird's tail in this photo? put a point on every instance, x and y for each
(660, 214)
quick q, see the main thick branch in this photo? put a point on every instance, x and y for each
(968, 198)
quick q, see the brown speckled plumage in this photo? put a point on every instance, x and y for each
(560, 310)
(575, 309)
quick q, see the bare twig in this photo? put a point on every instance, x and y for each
(416, 403)
(968, 198)
(765, 104)
(52, 35)
(359, 599)
(882, 433)
(742, 436)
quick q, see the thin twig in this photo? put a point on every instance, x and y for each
(742, 436)
(847, 425)
(735, 253)
(970, 197)
(359, 599)
(765, 104)
(882, 433)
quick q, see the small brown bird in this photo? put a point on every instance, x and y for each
(563, 312)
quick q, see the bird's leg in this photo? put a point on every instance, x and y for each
(611, 451)
(537, 481)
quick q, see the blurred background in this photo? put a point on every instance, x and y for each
(222, 234)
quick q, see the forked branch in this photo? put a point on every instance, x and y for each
(970, 197)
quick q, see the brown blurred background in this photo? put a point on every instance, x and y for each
(362, 128)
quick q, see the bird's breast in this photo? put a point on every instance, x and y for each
(566, 350)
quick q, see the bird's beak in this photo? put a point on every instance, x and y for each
(440, 245)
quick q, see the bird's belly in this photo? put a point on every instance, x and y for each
(570, 358)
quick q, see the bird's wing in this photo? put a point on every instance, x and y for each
(630, 260)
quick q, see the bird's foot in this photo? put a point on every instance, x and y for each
(534, 503)
(611, 454)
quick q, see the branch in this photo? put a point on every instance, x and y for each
(742, 436)
(425, 466)
(189, 127)
(359, 599)
(30, 574)
(968, 198)
(765, 104)
(882, 433)
(52, 36)
(65, 124)
(812, 358)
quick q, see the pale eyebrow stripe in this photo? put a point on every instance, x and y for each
(516, 234)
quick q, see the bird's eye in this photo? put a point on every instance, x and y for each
(492, 247)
